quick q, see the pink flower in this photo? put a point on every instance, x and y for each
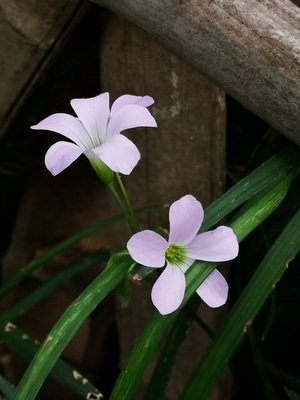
(180, 251)
(96, 132)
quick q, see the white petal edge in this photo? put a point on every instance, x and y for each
(214, 290)
(168, 290)
(94, 114)
(119, 154)
(66, 125)
(185, 216)
(148, 248)
(221, 244)
(60, 155)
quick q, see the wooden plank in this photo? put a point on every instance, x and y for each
(31, 35)
(184, 155)
(251, 49)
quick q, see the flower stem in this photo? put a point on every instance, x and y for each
(128, 204)
(128, 213)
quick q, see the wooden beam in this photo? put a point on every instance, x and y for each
(31, 36)
(250, 49)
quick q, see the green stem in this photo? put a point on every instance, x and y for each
(128, 204)
(124, 205)
(106, 175)
(121, 204)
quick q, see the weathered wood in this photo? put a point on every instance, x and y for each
(31, 34)
(184, 155)
(251, 49)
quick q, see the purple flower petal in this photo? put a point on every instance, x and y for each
(94, 114)
(66, 125)
(128, 99)
(60, 156)
(145, 101)
(214, 290)
(218, 245)
(148, 248)
(186, 216)
(97, 130)
(131, 116)
(119, 154)
(168, 290)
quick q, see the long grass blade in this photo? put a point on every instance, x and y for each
(48, 287)
(38, 262)
(26, 347)
(243, 313)
(67, 325)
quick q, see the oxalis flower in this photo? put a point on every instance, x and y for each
(96, 133)
(178, 253)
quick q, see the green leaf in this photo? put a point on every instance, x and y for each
(25, 346)
(167, 359)
(46, 288)
(291, 394)
(6, 388)
(264, 177)
(67, 326)
(244, 311)
(38, 262)
(260, 366)
(287, 379)
(164, 365)
(253, 186)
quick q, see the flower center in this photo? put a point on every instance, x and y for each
(175, 254)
